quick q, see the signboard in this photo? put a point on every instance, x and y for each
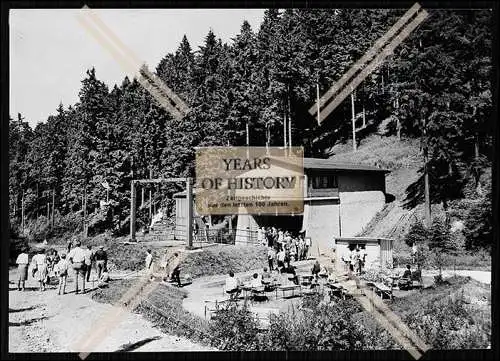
(249, 180)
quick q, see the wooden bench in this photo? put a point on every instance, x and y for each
(286, 288)
(382, 289)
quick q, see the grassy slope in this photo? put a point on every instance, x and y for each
(221, 259)
(403, 159)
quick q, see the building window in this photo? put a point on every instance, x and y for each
(324, 181)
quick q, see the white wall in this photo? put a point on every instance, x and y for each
(357, 209)
(322, 224)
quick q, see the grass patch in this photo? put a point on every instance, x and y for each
(163, 307)
(221, 259)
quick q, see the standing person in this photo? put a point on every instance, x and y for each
(175, 275)
(281, 259)
(101, 257)
(149, 259)
(232, 286)
(300, 248)
(77, 258)
(316, 269)
(362, 256)
(61, 269)
(307, 242)
(270, 257)
(358, 260)
(354, 260)
(22, 262)
(69, 245)
(89, 258)
(39, 262)
(260, 236)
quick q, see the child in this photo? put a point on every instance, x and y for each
(61, 270)
(103, 281)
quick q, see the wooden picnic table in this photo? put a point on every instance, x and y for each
(285, 288)
(382, 289)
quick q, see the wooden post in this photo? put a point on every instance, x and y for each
(317, 102)
(150, 194)
(247, 128)
(189, 198)
(132, 211)
(398, 123)
(353, 121)
(85, 229)
(53, 205)
(289, 120)
(284, 129)
(426, 179)
(48, 213)
(22, 212)
(142, 196)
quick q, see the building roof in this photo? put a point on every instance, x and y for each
(318, 163)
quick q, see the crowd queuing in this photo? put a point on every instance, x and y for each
(283, 247)
(48, 263)
(354, 260)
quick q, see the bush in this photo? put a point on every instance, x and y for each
(478, 224)
(450, 323)
(418, 234)
(235, 328)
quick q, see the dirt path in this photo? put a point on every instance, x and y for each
(46, 322)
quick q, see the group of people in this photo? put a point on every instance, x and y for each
(47, 262)
(354, 260)
(283, 247)
(172, 264)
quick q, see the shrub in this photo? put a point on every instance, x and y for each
(235, 328)
(418, 234)
(450, 323)
(478, 224)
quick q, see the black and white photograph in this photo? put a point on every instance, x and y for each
(153, 206)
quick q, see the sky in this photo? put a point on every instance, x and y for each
(50, 50)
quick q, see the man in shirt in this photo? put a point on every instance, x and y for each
(270, 257)
(89, 257)
(256, 281)
(175, 275)
(22, 270)
(307, 242)
(149, 260)
(232, 286)
(101, 257)
(77, 259)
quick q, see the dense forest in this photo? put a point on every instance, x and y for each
(440, 77)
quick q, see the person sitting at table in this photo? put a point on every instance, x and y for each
(232, 285)
(292, 275)
(407, 272)
(256, 281)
